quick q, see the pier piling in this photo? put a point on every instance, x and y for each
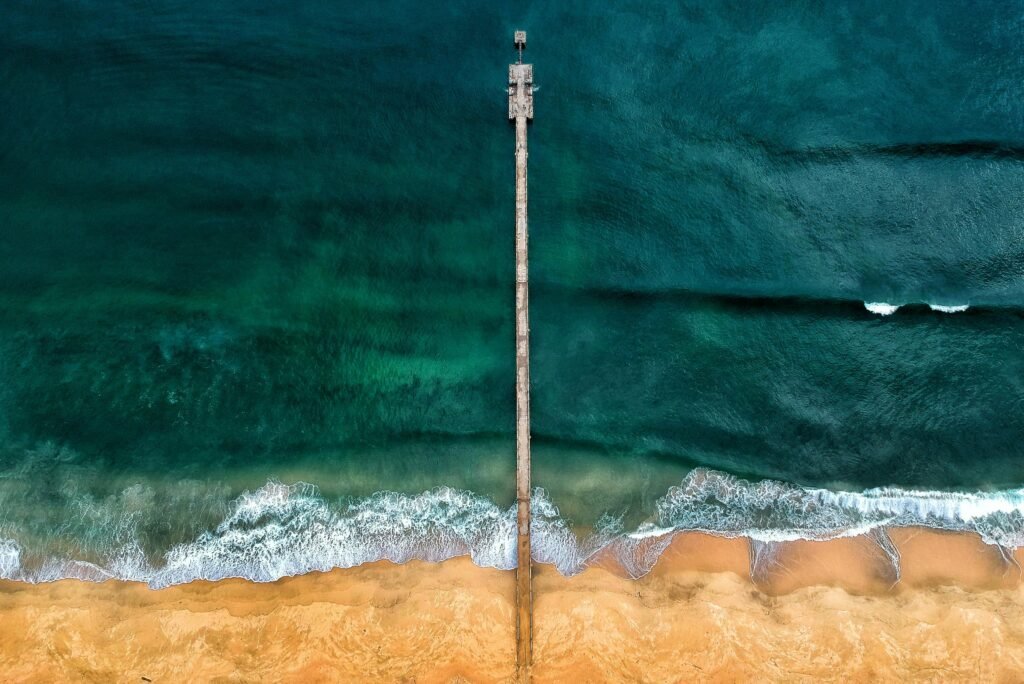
(520, 110)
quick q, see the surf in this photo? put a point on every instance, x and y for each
(280, 530)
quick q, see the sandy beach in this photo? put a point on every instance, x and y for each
(822, 610)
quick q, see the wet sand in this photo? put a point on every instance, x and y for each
(819, 610)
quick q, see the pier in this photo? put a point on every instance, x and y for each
(520, 110)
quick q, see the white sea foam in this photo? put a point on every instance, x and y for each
(881, 308)
(280, 530)
(773, 511)
(886, 309)
(10, 559)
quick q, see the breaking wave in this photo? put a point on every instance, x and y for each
(280, 530)
(881, 308)
(886, 309)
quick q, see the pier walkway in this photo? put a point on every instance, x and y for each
(520, 110)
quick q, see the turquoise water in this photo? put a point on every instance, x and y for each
(248, 248)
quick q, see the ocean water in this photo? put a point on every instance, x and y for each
(256, 279)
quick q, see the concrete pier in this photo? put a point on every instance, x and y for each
(520, 110)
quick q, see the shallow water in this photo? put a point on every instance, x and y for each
(242, 246)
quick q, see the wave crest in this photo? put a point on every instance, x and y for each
(281, 530)
(881, 308)
(772, 511)
(886, 309)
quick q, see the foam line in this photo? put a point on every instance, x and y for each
(280, 530)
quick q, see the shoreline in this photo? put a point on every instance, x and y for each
(277, 530)
(821, 609)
